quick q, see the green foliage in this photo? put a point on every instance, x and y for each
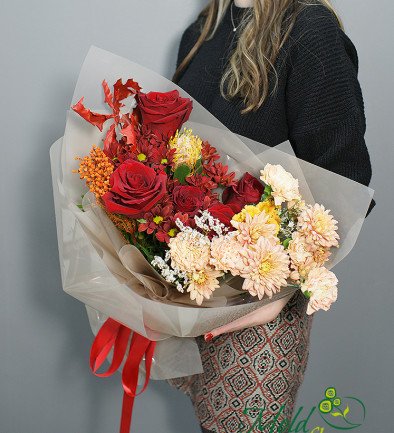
(181, 172)
(267, 193)
(198, 168)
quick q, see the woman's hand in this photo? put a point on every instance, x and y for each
(262, 315)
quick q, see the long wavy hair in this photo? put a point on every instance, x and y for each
(264, 29)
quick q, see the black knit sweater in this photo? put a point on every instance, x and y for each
(318, 104)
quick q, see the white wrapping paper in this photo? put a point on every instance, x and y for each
(95, 260)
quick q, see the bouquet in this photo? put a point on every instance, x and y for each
(170, 196)
(180, 225)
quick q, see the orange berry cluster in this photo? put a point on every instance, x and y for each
(96, 169)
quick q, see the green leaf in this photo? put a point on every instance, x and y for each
(141, 220)
(286, 243)
(267, 190)
(181, 172)
(346, 411)
(198, 168)
(336, 414)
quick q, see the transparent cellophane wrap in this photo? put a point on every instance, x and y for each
(113, 279)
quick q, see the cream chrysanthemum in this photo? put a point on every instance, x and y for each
(322, 287)
(255, 227)
(187, 148)
(189, 251)
(225, 254)
(265, 268)
(284, 186)
(202, 284)
(318, 226)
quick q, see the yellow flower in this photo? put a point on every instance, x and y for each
(187, 148)
(265, 206)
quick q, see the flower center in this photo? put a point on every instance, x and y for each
(199, 277)
(256, 233)
(164, 161)
(265, 266)
(172, 232)
(319, 225)
(158, 219)
(141, 157)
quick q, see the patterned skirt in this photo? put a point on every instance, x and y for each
(251, 377)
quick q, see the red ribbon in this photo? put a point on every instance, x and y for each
(115, 335)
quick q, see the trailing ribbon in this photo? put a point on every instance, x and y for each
(115, 335)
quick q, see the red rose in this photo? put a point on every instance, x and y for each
(188, 199)
(135, 189)
(165, 112)
(222, 212)
(248, 190)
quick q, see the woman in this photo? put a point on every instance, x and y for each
(271, 70)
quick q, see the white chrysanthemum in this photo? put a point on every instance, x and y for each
(265, 268)
(318, 226)
(284, 186)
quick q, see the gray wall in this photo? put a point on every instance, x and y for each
(45, 382)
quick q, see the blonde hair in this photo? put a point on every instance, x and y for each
(264, 29)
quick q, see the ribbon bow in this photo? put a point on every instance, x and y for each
(115, 335)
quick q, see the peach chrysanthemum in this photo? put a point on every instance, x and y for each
(225, 254)
(298, 249)
(187, 148)
(305, 256)
(322, 300)
(284, 186)
(250, 231)
(318, 226)
(96, 169)
(202, 283)
(265, 268)
(320, 255)
(321, 284)
(189, 251)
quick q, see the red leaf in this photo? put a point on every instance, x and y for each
(129, 132)
(95, 119)
(108, 97)
(122, 91)
(110, 141)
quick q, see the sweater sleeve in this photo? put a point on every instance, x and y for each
(325, 108)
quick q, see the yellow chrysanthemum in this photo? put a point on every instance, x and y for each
(187, 148)
(267, 206)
